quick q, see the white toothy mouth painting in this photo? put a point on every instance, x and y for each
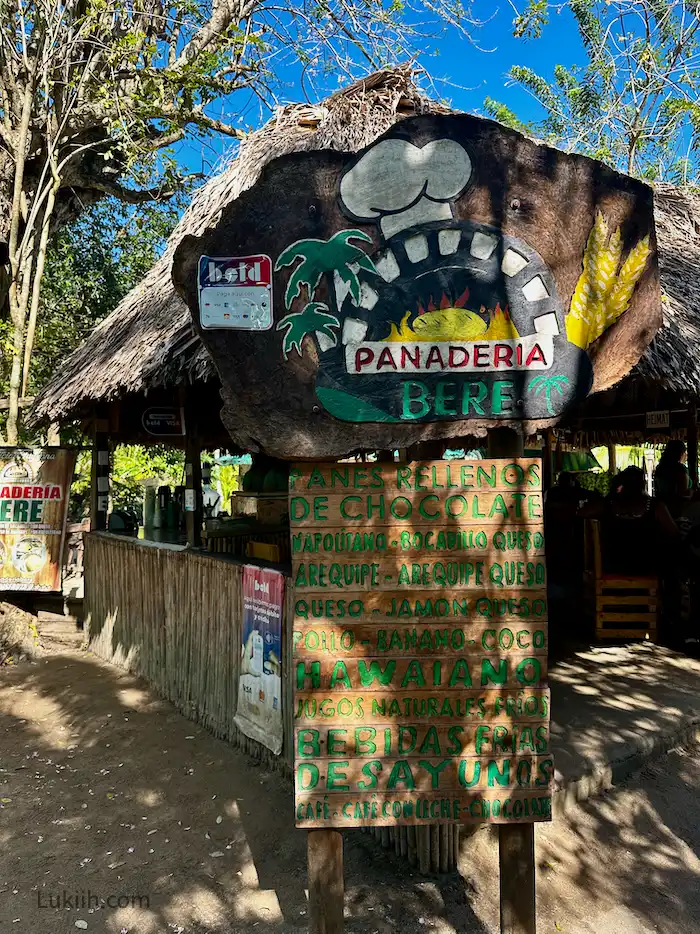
(449, 318)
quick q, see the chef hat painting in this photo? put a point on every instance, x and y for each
(400, 184)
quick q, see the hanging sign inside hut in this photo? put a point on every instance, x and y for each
(453, 272)
(164, 421)
(259, 711)
(420, 643)
(660, 419)
(235, 292)
(34, 490)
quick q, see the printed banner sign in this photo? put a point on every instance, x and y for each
(259, 711)
(34, 492)
(236, 292)
(420, 643)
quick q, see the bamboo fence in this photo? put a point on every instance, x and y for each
(174, 618)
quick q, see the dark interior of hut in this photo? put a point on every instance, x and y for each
(622, 540)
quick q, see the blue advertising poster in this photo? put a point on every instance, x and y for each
(259, 711)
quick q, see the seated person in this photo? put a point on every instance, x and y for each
(672, 480)
(636, 529)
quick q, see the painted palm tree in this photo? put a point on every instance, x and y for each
(549, 384)
(325, 256)
(314, 317)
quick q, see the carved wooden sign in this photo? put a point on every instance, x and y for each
(453, 272)
(420, 643)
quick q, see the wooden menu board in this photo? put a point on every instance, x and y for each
(420, 643)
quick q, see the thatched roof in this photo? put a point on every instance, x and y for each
(148, 340)
(672, 359)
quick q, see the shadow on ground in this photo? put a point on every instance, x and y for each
(109, 793)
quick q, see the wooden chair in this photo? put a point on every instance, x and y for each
(625, 607)
(263, 551)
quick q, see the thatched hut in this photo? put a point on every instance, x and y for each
(147, 350)
(147, 345)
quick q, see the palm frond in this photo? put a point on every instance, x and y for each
(314, 317)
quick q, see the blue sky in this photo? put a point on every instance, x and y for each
(464, 73)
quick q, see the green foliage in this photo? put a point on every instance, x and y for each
(228, 478)
(530, 23)
(505, 115)
(90, 267)
(596, 482)
(635, 104)
(131, 465)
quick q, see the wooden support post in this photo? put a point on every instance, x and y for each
(326, 883)
(612, 460)
(516, 860)
(547, 461)
(99, 486)
(193, 489)
(516, 842)
(692, 445)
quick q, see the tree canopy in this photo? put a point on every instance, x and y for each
(635, 104)
(93, 95)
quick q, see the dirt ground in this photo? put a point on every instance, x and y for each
(118, 815)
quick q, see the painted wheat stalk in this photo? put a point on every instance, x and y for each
(603, 293)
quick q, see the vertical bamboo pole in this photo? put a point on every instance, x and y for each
(692, 445)
(99, 487)
(193, 478)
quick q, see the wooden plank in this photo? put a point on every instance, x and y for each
(387, 706)
(493, 573)
(419, 675)
(630, 617)
(626, 633)
(438, 475)
(382, 608)
(326, 882)
(390, 809)
(432, 638)
(439, 538)
(403, 510)
(641, 600)
(627, 583)
(516, 844)
(337, 777)
(406, 740)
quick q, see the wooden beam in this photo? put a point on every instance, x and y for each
(23, 403)
(326, 883)
(692, 445)
(516, 860)
(612, 459)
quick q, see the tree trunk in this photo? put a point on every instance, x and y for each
(18, 311)
(36, 284)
